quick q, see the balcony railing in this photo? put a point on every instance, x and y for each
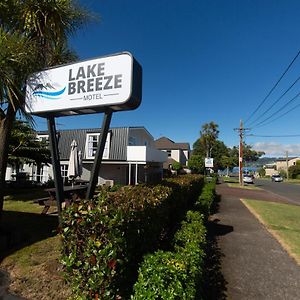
(145, 154)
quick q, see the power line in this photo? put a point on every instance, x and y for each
(272, 136)
(277, 111)
(280, 116)
(273, 88)
(272, 105)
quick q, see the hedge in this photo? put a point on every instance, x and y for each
(178, 274)
(105, 239)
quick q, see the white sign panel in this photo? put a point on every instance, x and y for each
(86, 87)
(209, 162)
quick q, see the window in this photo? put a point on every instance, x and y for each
(169, 153)
(132, 141)
(92, 144)
(64, 171)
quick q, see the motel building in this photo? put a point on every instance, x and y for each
(129, 157)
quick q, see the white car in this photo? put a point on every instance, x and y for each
(248, 179)
(277, 178)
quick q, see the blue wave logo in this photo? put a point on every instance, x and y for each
(49, 95)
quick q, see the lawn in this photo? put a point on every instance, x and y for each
(245, 186)
(32, 249)
(282, 220)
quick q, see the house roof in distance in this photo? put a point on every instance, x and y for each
(289, 158)
(165, 143)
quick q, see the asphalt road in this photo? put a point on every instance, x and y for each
(291, 192)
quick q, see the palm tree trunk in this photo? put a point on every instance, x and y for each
(6, 124)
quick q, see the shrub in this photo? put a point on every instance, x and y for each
(294, 171)
(176, 166)
(207, 198)
(178, 274)
(262, 172)
(105, 239)
(174, 275)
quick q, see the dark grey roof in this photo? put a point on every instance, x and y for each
(118, 142)
(164, 143)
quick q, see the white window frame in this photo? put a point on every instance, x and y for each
(64, 171)
(88, 154)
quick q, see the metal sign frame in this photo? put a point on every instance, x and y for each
(132, 103)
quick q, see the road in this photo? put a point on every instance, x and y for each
(291, 192)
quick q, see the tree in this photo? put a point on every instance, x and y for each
(227, 162)
(33, 36)
(208, 145)
(249, 155)
(208, 137)
(24, 147)
(262, 172)
(294, 171)
(196, 164)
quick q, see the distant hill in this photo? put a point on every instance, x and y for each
(262, 161)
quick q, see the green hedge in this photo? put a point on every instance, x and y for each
(178, 274)
(207, 198)
(105, 239)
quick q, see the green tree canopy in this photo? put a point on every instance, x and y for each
(208, 137)
(24, 147)
(196, 163)
(33, 35)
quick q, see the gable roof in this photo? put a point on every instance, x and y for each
(165, 143)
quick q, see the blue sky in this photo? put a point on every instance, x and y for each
(203, 61)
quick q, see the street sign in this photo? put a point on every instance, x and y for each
(111, 82)
(209, 162)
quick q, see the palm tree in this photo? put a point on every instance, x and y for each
(33, 36)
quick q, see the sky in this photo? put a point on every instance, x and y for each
(212, 60)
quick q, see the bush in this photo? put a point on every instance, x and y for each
(178, 274)
(294, 171)
(105, 239)
(262, 172)
(174, 275)
(207, 198)
(176, 166)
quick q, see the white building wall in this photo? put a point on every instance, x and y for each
(9, 172)
(175, 154)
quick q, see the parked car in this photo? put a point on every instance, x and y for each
(276, 178)
(248, 178)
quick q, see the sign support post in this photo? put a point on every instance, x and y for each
(104, 84)
(99, 154)
(56, 166)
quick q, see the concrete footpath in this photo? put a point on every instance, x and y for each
(253, 263)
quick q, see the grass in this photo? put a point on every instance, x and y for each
(293, 181)
(32, 249)
(245, 186)
(25, 194)
(282, 220)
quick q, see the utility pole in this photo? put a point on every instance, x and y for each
(287, 165)
(241, 131)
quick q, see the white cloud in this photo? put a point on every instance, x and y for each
(275, 149)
